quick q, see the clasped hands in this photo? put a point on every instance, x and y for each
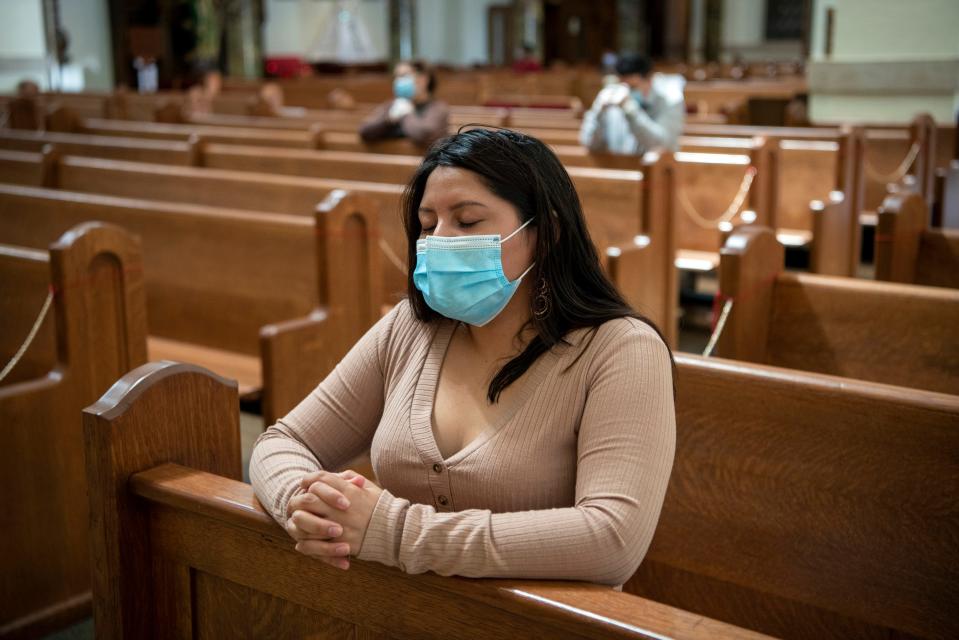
(613, 95)
(399, 109)
(329, 519)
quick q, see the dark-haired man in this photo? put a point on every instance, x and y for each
(413, 112)
(640, 113)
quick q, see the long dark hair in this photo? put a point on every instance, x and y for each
(525, 172)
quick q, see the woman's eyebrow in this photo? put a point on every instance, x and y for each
(458, 205)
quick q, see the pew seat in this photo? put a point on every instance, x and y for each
(245, 369)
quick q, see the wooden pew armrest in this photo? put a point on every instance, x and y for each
(297, 354)
(593, 610)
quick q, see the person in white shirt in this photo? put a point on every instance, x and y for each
(641, 112)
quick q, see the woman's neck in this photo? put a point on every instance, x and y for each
(501, 338)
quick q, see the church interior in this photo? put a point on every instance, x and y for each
(219, 219)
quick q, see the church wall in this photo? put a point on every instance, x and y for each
(890, 60)
(22, 44)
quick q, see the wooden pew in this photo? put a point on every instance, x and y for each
(809, 506)
(113, 147)
(907, 250)
(890, 333)
(94, 332)
(611, 198)
(181, 547)
(729, 540)
(314, 138)
(215, 276)
(706, 180)
(699, 171)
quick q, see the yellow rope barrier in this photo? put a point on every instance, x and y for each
(894, 176)
(730, 211)
(30, 336)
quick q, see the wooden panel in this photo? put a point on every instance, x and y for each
(134, 149)
(902, 219)
(215, 526)
(939, 258)
(99, 312)
(809, 506)
(21, 167)
(115, 446)
(25, 274)
(806, 172)
(705, 187)
(896, 334)
(225, 609)
(340, 165)
(201, 263)
(751, 260)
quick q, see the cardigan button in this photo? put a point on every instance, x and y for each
(438, 468)
(443, 500)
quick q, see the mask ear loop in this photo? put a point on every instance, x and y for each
(520, 228)
(522, 275)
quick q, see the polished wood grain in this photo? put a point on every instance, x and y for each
(99, 322)
(643, 267)
(112, 147)
(202, 264)
(750, 262)
(903, 217)
(218, 296)
(884, 332)
(298, 354)
(25, 274)
(908, 251)
(119, 441)
(230, 565)
(809, 506)
(612, 199)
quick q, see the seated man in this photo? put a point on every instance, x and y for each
(413, 113)
(639, 113)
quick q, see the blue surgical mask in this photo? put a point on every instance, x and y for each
(640, 98)
(462, 277)
(404, 87)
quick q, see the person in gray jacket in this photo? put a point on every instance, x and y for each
(639, 113)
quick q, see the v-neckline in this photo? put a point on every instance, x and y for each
(424, 397)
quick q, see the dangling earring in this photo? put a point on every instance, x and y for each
(542, 304)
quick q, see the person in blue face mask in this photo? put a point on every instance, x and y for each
(514, 405)
(413, 112)
(640, 112)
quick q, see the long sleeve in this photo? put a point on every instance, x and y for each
(330, 427)
(378, 125)
(591, 132)
(625, 448)
(660, 133)
(432, 124)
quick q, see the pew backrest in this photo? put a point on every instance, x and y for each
(883, 332)
(805, 505)
(182, 547)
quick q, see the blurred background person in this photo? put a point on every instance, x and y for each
(413, 112)
(640, 112)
